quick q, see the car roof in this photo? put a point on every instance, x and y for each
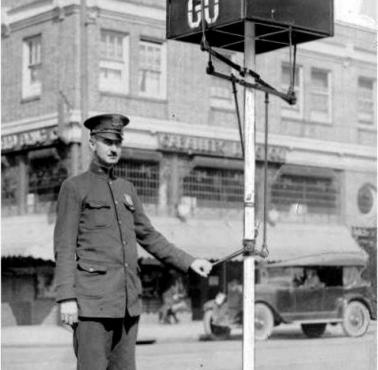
(322, 259)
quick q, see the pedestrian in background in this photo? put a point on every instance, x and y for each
(173, 302)
(100, 220)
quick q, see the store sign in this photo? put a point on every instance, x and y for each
(41, 137)
(218, 147)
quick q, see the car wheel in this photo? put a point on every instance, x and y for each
(264, 321)
(313, 330)
(214, 331)
(356, 319)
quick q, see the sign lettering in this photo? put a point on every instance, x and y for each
(41, 137)
(195, 12)
(219, 147)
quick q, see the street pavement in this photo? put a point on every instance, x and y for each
(177, 347)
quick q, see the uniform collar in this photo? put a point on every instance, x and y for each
(107, 172)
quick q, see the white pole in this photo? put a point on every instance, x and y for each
(249, 204)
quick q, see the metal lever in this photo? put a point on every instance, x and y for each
(247, 248)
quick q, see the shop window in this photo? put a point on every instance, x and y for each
(311, 195)
(144, 176)
(292, 111)
(45, 179)
(114, 62)
(152, 72)
(32, 67)
(365, 103)
(9, 185)
(215, 187)
(320, 95)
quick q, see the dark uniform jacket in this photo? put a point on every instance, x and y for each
(100, 219)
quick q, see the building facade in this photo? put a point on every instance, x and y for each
(182, 148)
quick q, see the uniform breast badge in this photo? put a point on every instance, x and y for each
(129, 202)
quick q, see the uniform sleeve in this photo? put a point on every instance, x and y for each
(155, 243)
(65, 237)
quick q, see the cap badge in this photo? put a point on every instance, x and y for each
(117, 122)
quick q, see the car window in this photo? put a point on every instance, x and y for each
(312, 278)
(280, 276)
(351, 276)
(331, 276)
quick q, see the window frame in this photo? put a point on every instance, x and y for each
(122, 65)
(162, 94)
(317, 116)
(30, 88)
(361, 121)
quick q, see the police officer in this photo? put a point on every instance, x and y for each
(100, 220)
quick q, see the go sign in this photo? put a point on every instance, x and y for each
(185, 16)
(194, 12)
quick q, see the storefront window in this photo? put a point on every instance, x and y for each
(215, 187)
(45, 178)
(144, 176)
(9, 181)
(308, 194)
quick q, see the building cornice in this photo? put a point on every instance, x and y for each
(132, 8)
(340, 51)
(29, 124)
(46, 9)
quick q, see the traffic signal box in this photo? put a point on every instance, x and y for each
(278, 23)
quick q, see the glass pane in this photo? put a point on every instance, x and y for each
(319, 79)
(150, 68)
(215, 187)
(286, 73)
(112, 45)
(319, 195)
(365, 84)
(319, 103)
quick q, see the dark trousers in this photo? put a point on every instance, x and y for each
(106, 344)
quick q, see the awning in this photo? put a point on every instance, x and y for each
(291, 169)
(27, 236)
(212, 239)
(319, 244)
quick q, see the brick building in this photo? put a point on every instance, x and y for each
(182, 147)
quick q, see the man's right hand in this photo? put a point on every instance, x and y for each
(69, 312)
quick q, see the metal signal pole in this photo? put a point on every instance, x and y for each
(84, 82)
(249, 205)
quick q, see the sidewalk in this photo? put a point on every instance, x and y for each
(53, 335)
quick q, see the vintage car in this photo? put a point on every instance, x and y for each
(312, 291)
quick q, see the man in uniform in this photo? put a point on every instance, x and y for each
(100, 220)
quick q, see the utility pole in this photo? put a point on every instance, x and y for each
(84, 82)
(249, 204)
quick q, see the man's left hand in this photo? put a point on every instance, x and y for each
(201, 267)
